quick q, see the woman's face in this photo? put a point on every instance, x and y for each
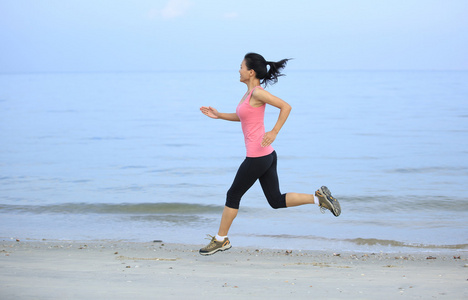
(245, 74)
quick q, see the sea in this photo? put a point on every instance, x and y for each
(128, 156)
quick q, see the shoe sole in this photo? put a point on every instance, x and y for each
(224, 248)
(333, 203)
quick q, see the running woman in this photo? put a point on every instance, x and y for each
(260, 162)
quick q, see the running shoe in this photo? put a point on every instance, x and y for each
(327, 201)
(215, 246)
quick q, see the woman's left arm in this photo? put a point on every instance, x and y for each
(285, 109)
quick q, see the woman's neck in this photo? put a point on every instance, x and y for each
(253, 82)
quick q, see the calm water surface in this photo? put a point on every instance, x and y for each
(128, 156)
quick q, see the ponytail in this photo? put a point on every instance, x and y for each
(275, 71)
(259, 65)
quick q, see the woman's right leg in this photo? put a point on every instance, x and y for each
(245, 178)
(229, 214)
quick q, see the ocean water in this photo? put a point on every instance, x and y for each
(129, 156)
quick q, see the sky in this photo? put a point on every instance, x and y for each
(194, 35)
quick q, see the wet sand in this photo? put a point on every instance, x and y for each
(157, 270)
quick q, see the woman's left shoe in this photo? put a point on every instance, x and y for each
(327, 201)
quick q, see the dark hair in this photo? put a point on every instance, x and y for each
(259, 65)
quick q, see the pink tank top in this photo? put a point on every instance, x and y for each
(253, 127)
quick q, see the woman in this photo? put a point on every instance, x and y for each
(260, 162)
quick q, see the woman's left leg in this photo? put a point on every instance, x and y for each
(270, 186)
(296, 199)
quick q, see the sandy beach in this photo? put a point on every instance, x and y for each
(157, 270)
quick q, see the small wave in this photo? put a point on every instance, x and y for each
(62, 111)
(171, 219)
(393, 243)
(445, 170)
(371, 242)
(385, 203)
(178, 145)
(132, 167)
(123, 208)
(105, 138)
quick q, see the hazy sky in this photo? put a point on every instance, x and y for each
(140, 35)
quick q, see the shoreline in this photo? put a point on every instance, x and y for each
(51, 269)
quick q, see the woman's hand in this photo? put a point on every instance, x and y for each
(269, 138)
(210, 112)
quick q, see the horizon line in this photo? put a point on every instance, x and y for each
(222, 70)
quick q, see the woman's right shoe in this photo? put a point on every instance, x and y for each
(215, 246)
(327, 201)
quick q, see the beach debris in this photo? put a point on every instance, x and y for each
(466, 266)
(336, 254)
(17, 240)
(227, 285)
(315, 264)
(128, 267)
(115, 253)
(431, 257)
(146, 258)
(157, 241)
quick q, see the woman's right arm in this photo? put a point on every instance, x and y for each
(214, 114)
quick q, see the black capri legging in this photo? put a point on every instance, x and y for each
(253, 168)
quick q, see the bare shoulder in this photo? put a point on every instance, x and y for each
(261, 96)
(260, 93)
